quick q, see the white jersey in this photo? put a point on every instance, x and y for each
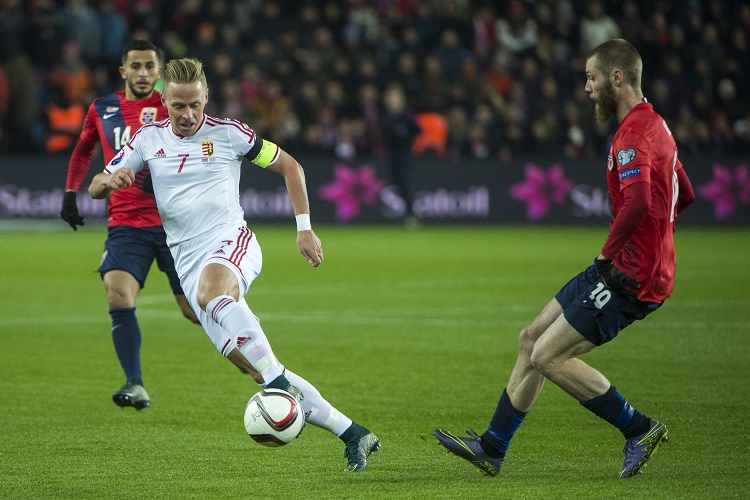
(196, 179)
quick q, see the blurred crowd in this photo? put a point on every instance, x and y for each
(483, 78)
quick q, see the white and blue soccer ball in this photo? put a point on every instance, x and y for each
(274, 418)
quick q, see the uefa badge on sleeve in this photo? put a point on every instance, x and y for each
(118, 157)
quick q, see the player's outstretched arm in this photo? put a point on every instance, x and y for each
(308, 243)
(103, 184)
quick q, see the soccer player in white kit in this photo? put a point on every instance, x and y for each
(195, 162)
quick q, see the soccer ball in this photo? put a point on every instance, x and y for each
(274, 418)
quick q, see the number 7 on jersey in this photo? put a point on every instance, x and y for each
(182, 164)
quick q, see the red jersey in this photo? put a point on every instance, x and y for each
(643, 150)
(112, 120)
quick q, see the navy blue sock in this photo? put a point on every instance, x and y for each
(503, 425)
(613, 408)
(353, 431)
(279, 382)
(126, 336)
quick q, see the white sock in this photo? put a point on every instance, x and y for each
(244, 329)
(318, 411)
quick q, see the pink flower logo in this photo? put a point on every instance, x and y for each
(350, 189)
(726, 188)
(541, 188)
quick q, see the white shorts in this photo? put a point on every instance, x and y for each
(239, 251)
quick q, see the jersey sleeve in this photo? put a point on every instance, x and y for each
(130, 156)
(635, 206)
(633, 159)
(250, 145)
(80, 159)
(263, 153)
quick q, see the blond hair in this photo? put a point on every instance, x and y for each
(184, 71)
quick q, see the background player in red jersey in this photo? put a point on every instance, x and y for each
(135, 235)
(630, 278)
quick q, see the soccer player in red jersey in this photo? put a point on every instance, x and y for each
(135, 234)
(631, 277)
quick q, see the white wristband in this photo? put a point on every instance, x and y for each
(303, 222)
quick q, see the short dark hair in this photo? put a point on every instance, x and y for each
(619, 53)
(139, 45)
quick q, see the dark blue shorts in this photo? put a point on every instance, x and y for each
(133, 249)
(596, 312)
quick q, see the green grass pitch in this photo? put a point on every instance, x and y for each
(404, 331)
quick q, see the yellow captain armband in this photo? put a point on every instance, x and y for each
(263, 153)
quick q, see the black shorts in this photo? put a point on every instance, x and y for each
(133, 249)
(596, 312)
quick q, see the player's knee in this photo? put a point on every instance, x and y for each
(204, 297)
(526, 341)
(118, 298)
(542, 362)
(207, 293)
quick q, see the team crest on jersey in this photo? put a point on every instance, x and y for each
(625, 156)
(148, 115)
(207, 147)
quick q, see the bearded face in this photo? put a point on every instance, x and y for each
(140, 71)
(606, 106)
(141, 88)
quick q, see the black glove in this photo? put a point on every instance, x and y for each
(148, 184)
(69, 212)
(614, 279)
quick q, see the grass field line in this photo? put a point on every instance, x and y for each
(325, 317)
(50, 321)
(373, 317)
(412, 284)
(146, 300)
(337, 317)
(484, 280)
(520, 308)
(338, 288)
(710, 303)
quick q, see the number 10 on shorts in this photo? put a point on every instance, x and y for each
(600, 295)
